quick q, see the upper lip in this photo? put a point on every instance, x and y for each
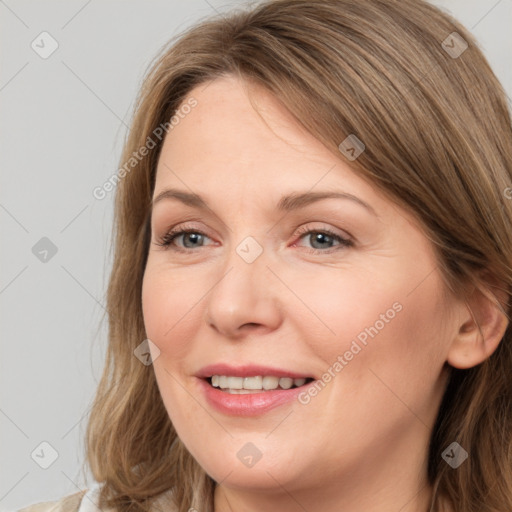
(248, 370)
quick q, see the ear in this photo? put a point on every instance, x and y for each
(482, 325)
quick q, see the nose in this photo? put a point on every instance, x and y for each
(246, 297)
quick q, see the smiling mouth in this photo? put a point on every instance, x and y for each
(255, 384)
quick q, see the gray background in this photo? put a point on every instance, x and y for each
(63, 120)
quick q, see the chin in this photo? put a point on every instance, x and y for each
(238, 463)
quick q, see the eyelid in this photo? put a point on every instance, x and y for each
(306, 228)
(182, 226)
(303, 229)
(167, 240)
(180, 229)
(344, 241)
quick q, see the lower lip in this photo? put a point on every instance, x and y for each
(250, 404)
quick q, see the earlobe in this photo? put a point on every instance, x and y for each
(481, 330)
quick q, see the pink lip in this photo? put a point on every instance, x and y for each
(248, 370)
(251, 404)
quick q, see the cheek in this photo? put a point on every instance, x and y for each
(404, 336)
(375, 321)
(168, 308)
(339, 307)
(169, 320)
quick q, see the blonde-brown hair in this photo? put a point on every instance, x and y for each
(438, 138)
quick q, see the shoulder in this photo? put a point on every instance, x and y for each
(81, 501)
(69, 503)
(87, 501)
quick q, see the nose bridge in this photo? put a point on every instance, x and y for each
(250, 249)
(251, 254)
(244, 293)
(245, 271)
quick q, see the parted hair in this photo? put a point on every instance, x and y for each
(437, 131)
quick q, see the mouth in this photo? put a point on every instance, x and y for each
(251, 389)
(255, 384)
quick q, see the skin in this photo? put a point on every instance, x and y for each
(361, 443)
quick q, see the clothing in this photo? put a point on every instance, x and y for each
(87, 501)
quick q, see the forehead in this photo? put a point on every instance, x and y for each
(223, 143)
(225, 122)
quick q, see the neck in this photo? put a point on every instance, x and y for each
(400, 492)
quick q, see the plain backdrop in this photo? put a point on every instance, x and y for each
(63, 120)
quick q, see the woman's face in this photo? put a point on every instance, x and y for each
(253, 284)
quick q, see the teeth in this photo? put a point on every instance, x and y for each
(250, 382)
(286, 383)
(270, 382)
(231, 382)
(243, 385)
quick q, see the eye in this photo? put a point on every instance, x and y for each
(322, 237)
(194, 238)
(192, 235)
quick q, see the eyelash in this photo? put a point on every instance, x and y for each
(167, 240)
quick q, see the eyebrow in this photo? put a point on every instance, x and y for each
(287, 203)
